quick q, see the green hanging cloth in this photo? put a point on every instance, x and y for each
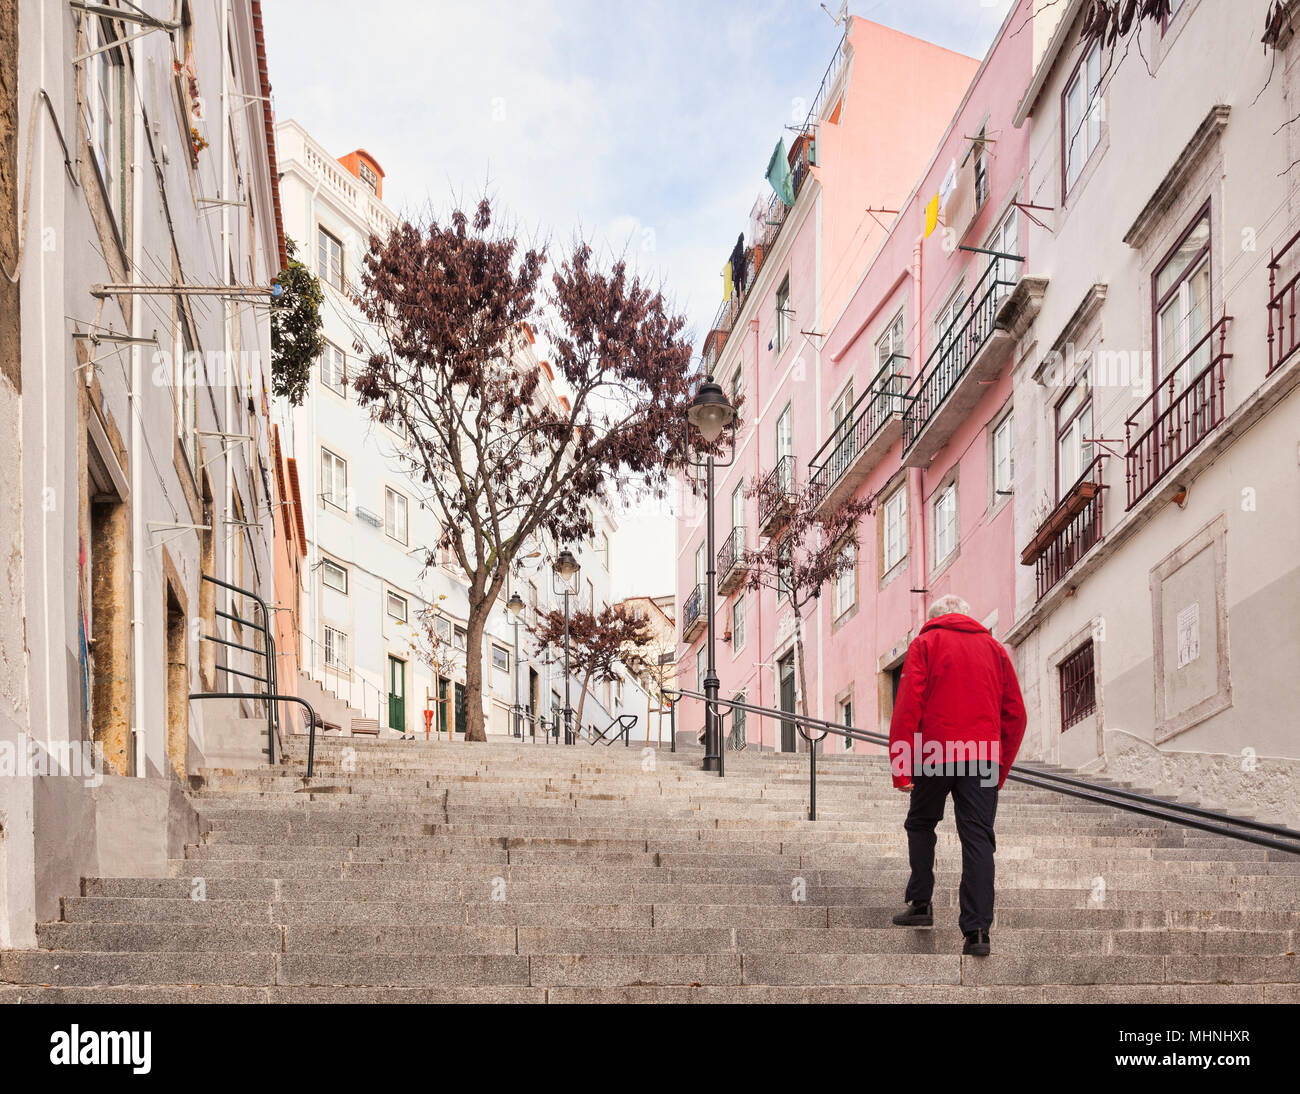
(778, 173)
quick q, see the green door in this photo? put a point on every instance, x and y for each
(397, 694)
(460, 709)
(442, 704)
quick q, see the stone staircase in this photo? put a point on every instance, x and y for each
(506, 872)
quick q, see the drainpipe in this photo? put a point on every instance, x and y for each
(227, 373)
(757, 458)
(139, 765)
(315, 467)
(916, 475)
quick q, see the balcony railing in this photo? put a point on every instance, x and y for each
(773, 220)
(958, 345)
(693, 613)
(731, 561)
(1070, 530)
(874, 409)
(1173, 420)
(1283, 339)
(776, 497)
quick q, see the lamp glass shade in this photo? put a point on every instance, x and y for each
(566, 565)
(710, 412)
(514, 605)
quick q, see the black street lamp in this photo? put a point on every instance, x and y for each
(566, 568)
(515, 607)
(711, 413)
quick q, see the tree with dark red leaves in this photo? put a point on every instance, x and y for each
(505, 460)
(812, 549)
(598, 644)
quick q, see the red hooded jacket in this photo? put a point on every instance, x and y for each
(958, 688)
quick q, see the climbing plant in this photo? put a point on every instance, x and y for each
(296, 338)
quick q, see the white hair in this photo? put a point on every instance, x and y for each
(946, 605)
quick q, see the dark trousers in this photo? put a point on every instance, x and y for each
(975, 807)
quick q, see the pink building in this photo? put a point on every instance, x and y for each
(873, 126)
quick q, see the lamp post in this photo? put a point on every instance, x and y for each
(710, 413)
(566, 568)
(515, 607)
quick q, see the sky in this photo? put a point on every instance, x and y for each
(645, 126)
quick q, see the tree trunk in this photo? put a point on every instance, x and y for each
(582, 701)
(475, 725)
(802, 703)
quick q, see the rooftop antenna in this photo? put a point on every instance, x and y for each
(840, 17)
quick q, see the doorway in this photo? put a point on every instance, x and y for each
(785, 683)
(460, 709)
(396, 694)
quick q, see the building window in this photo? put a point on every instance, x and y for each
(738, 513)
(105, 113)
(1078, 686)
(501, 658)
(1006, 240)
(396, 607)
(394, 514)
(945, 523)
(700, 667)
(1073, 436)
(894, 515)
(738, 624)
(1182, 309)
(1081, 114)
(948, 320)
(336, 649)
(891, 353)
(334, 480)
(334, 576)
(846, 581)
(368, 176)
(1002, 458)
(604, 549)
(981, 169)
(783, 314)
(844, 710)
(737, 384)
(443, 629)
(333, 369)
(841, 411)
(785, 439)
(329, 259)
(459, 638)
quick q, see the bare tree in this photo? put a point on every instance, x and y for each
(503, 459)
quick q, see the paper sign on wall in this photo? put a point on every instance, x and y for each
(1189, 634)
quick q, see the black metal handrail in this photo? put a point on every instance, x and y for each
(625, 722)
(1261, 833)
(776, 491)
(1187, 419)
(271, 696)
(866, 417)
(956, 347)
(731, 552)
(692, 608)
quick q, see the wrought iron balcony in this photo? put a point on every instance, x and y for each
(693, 613)
(861, 441)
(973, 347)
(1178, 415)
(732, 569)
(776, 497)
(1069, 531)
(1283, 338)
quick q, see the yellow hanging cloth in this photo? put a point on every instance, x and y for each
(932, 215)
(727, 287)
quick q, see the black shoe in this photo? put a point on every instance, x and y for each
(919, 913)
(976, 944)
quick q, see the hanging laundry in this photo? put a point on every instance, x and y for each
(931, 215)
(778, 173)
(739, 272)
(726, 282)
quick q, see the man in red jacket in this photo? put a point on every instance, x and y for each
(958, 722)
